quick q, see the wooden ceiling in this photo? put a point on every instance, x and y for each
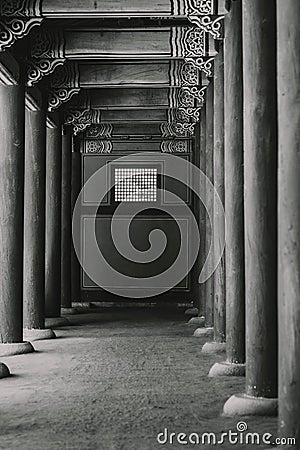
(114, 63)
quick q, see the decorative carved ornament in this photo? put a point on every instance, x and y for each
(103, 130)
(189, 75)
(210, 24)
(98, 146)
(12, 29)
(175, 146)
(177, 129)
(64, 84)
(191, 97)
(47, 52)
(187, 7)
(203, 64)
(188, 42)
(82, 119)
(189, 114)
(20, 8)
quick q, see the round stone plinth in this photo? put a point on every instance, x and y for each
(199, 321)
(16, 348)
(203, 332)
(245, 405)
(4, 371)
(211, 348)
(56, 322)
(36, 334)
(225, 369)
(69, 311)
(192, 312)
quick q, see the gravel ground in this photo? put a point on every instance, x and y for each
(113, 381)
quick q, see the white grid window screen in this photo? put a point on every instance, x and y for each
(135, 184)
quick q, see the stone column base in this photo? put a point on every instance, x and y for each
(199, 321)
(16, 348)
(192, 312)
(204, 332)
(36, 334)
(210, 348)
(68, 311)
(245, 405)
(226, 369)
(55, 322)
(4, 371)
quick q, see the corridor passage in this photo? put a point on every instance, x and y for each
(114, 380)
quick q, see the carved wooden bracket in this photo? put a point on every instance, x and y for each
(213, 25)
(177, 129)
(189, 42)
(64, 84)
(189, 114)
(191, 97)
(47, 52)
(175, 146)
(20, 8)
(189, 75)
(199, 7)
(203, 64)
(82, 119)
(97, 146)
(12, 29)
(103, 130)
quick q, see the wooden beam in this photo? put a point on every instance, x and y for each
(93, 146)
(135, 115)
(136, 43)
(129, 74)
(139, 98)
(126, 8)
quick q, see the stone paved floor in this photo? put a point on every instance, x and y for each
(113, 381)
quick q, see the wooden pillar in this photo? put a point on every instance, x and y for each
(234, 197)
(204, 329)
(219, 275)
(34, 226)
(12, 118)
(53, 220)
(199, 320)
(202, 221)
(75, 190)
(288, 21)
(260, 160)
(66, 220)
(218, 344)
(209, 285)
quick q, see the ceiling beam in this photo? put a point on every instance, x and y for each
(127, 8)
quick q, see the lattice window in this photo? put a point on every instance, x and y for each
(134, 184)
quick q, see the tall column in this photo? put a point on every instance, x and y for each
(199, 212)
(234, 197)
(203, 330)
(260, 132)
(12, 117)
(288, 21)
(34, 227)
(66, 221)
(209, 285)
(218, 345)
(75, 190)
(53, 223)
